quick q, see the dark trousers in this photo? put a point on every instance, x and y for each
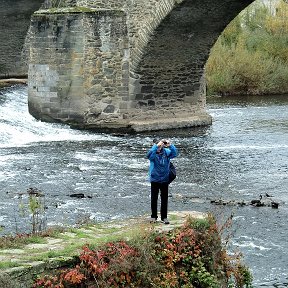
(155, 188)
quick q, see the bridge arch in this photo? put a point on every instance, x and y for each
(125, 64)
(173, 46)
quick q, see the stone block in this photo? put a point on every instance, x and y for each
(139, 97)
(109, 109)
(122, 89)
(151, 103)
(107, 100)
(44, 89)
(45, 110)
(146, 89)
(123, 105)
(54, 99)
(75, 117)
(95, 112)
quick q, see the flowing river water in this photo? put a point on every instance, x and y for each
(242, 155)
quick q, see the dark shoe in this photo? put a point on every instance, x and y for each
(153, 220)
(165, 221)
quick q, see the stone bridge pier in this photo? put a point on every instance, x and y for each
(129, 65)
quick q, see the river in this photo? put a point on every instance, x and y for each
(242, 155)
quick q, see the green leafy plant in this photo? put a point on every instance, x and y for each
(189, 256)
(34, 206)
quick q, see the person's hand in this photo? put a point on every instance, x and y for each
(166, 143)
(160, 143)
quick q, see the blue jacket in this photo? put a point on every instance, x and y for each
(159, 163)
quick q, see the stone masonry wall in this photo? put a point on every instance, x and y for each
(169, 44)
(75, 66)
(142, 18)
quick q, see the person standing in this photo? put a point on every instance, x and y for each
(159, 155)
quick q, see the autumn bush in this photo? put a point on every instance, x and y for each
(251, 55)
(192, 255)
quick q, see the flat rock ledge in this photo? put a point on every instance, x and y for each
(171, 123)
(11, 81)
(56, 252)
(144, 125)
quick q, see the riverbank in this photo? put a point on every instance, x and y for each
(20, 266)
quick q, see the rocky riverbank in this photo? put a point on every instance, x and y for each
(19, 265)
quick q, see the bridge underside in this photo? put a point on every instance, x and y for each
(168, 83)
(90, 70)
(14, 23)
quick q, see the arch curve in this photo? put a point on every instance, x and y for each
(167, 62)
(161, 9)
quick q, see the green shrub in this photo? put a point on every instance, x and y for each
(189, 256)
(251, 55)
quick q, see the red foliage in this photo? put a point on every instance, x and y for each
(174, 257)
(95, 265)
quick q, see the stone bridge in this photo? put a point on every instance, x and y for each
(129, 65)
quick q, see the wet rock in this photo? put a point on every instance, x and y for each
(119, 134)
(77, 195)
(242, 203)
(227, 202)
(34, 192)
(274, 205)
(257, 203)
(263, 201)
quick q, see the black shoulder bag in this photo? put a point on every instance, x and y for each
(172, 173)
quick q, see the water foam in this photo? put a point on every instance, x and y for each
(19, 128)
